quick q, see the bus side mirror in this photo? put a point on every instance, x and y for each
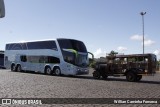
(91, 61)
(91, 55)
(2, 9)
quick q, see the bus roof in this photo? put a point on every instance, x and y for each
(133, 55)
(24, 41)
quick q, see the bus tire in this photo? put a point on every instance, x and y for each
(131, 77)
(57, 71)
(48, 70)
(13, 67)
(19, 69)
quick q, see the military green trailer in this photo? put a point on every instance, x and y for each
(132, 66)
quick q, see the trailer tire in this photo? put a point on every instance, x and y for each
(104, 76)
(131, 77)
(96, 75)
(139, 77)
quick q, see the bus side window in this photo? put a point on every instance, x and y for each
(53, 60)
(23, 58)
(42, 59)
(146, 60)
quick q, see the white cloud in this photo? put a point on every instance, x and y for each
(148, 42)
(120, 48)
(99, 53)
(157, 52)
(136, 37)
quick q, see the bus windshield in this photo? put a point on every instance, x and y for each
(73, 52)
(72, 44)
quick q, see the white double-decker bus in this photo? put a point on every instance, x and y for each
(60, 56)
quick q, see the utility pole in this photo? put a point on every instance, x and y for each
(143, 13)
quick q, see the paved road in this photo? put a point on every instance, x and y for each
(31, 85)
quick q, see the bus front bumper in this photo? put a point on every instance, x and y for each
(81, 71)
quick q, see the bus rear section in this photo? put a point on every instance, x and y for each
(2, 60)
(49, 56)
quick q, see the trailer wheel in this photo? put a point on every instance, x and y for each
(131, 77)
(48, 71)
(13, 67)
(104, 76)
(57, 71)
(96, 75)
(139, 77)
(19, 69)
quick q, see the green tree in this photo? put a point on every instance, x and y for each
(112, 53)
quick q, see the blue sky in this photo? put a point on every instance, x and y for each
(103, 25)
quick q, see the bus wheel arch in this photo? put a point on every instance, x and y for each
(57, 70)
(48, 70)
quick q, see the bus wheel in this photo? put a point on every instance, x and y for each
(57, 71)
(48, 71)
(19, 68)
(13, 67)
(131, 77)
